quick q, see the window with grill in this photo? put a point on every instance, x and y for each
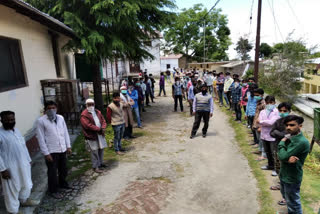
(12, 71)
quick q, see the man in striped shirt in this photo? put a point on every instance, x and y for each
(202, 108)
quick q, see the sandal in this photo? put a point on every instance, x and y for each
(282, 202)
(261, 158)
(277, 187)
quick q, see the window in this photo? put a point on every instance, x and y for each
(168, 66)
(12, 72)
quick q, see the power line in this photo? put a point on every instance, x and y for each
(275, 20)
(250, 27)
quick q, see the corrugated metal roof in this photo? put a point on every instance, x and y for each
(172, 56)
(314, 61)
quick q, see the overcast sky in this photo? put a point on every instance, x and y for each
(300, 16)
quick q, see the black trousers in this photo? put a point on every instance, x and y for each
(237, 109)
(127, 132)
(176, 98)
(191, 106)
(57, 172)
(162, 88)
(229, 99)
(147, 98)
(269, 148)
(197, 120)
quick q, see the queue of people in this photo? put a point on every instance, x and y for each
(276, 133)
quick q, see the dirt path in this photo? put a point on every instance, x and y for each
(168, 173)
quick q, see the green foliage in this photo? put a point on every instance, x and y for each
(290, 47)
(281, 76)
(265, 50)
(315, 55)
(243, 47)
(185, 34)
(249, 74)
(110, 28)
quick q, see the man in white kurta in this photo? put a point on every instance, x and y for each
(15, 165)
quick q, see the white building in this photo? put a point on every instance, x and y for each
(169, 62)
(152, 66)
(30, 51)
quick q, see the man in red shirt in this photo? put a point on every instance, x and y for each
(93, 127)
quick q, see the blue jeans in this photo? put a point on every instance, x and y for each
(137, 113)
(291, 192)
(118, 134)
(220, 93)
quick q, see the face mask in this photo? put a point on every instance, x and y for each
(257, 98)
(284, 114)
(236, 84)
(137, 84)
(270, 107)
(52, 114)
(178, 82)
(250, 83)
(204, 92)
(8, 126)
(124, 91)
(90, 108)
(245, 84)
(117, 103)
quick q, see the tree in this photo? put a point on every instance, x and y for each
(265, 50)
(290, 46)
(183, 34)
(243, 47)
(282, 77)
(111, 29)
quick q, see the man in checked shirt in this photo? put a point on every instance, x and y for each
(54, 141)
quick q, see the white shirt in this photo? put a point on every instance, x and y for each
(53, 137)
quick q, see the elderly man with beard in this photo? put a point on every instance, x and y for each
(202, 108)
(93, 127)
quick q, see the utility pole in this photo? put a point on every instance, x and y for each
(204, 41)
(256, 60)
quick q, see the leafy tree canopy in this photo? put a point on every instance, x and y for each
(185, 33)
(243, 47)
(290, 47)
(265, 50)
(110, 28)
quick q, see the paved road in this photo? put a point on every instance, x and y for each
(168, 173)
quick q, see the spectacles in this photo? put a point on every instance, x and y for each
(291, 125)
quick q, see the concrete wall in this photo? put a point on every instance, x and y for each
(123, 68)
(152, 66)
(311, 84)
(38, 58)
(174, 63)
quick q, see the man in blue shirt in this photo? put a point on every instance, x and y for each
(177, 92)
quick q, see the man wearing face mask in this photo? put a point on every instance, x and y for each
(127, 103)
(293, 150)
(267, 118)
(93, 127)
(278, 132)
(116, 118)
(15, 165)
(54, 142)
(177, 92)
(202, 108)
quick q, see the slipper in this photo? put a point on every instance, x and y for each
(282, 202)
(261, 158)
(277, 187)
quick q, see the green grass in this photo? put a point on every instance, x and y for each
(241, 136)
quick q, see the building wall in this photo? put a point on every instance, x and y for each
(152, 66)
(174, 63)
(110, 73)
(311, 84)
(38, 58)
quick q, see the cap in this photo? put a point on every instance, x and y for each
(89, 101)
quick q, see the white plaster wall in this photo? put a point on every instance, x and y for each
(38, 58)
(174, 63)
(152, 66)
(123, 68)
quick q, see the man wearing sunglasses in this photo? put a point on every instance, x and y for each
(292, 152)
